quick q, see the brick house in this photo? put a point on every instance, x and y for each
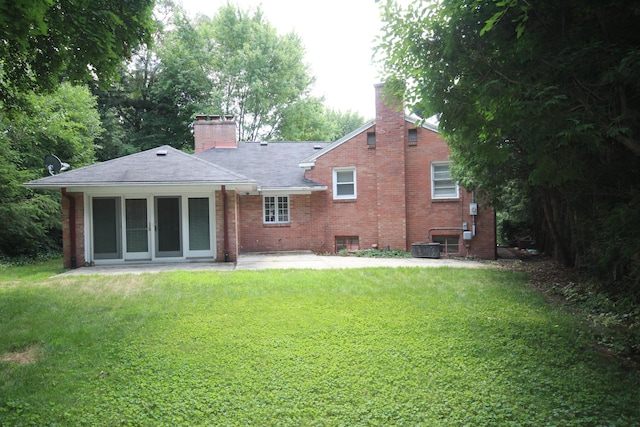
(387, 184)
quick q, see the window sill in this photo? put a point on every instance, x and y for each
(277, 225)
(448, 200)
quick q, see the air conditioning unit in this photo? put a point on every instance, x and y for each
(425, 250)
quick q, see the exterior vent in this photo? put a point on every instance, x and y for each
(317, 147)
(161, 153)
(264, 143)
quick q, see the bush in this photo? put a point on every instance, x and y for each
(375, 253)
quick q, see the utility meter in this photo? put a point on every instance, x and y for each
(473, 209)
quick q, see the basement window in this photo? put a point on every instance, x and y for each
(448, 244)
(350, 243)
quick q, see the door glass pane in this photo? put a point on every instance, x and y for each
(106, 228)
(168, 231)
(136, 216)
(199, 231)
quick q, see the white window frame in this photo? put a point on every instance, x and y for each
(351, 169)
(276, 214)
(450, 184)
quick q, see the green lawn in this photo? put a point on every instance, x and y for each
(370, 347)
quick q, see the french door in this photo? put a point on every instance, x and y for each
(168, 229)
(106, 228)
(136, 230)
(129, 228)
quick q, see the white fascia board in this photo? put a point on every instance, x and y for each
(291, 190)
(425, 123)
(138, 185)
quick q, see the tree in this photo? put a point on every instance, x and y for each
(539, 93)
(64, 122)
(232, 64)
(165, 86)
(259, 73)
(44, 41)
(309, 120)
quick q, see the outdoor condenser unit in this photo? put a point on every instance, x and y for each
(425, 250)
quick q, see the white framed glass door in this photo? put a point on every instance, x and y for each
(199, 229)
(106, 228)
(136, 230)
(168, 226)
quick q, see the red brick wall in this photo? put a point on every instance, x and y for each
(394, 207)
(390, 156)
(255, 236)
(357, 217)
(426, 217)
(66, 230)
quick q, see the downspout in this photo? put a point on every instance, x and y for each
(72, 227)
(473, 217)
(225, 216)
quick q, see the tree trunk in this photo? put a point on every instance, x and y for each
(552, 208)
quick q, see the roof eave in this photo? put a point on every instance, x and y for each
(311, 160)
(293, 190)
(58, 186)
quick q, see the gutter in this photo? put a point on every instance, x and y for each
(72, 226)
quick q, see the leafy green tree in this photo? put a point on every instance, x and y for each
(309, 120)
(233, 64)
(44, 41)
(542, 93)
(258, 72)
(342, 123)
(64, 122)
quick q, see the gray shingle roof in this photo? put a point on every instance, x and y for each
(273, 165)
(146, 168)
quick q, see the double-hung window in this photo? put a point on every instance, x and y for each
(276, 209)
(442, 184)
(344, 183)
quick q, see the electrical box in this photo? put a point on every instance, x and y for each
(467, 235)
(473, 208)
(465, 226)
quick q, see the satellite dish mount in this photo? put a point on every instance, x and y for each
(54, 165)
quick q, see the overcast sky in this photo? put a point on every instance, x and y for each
(338, 36)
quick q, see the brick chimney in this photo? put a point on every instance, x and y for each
(390, 157)
(214, 132)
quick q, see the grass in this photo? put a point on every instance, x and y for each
(401, 347)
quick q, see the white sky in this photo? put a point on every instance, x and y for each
(338, 36)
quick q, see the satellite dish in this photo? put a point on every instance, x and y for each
(54, 165)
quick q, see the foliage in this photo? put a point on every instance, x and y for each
(64, 123)
(540, 93)
(309, 120)
(232, 64)
(376, 253)
(259, 72)
(45, 41)
(341, 347)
